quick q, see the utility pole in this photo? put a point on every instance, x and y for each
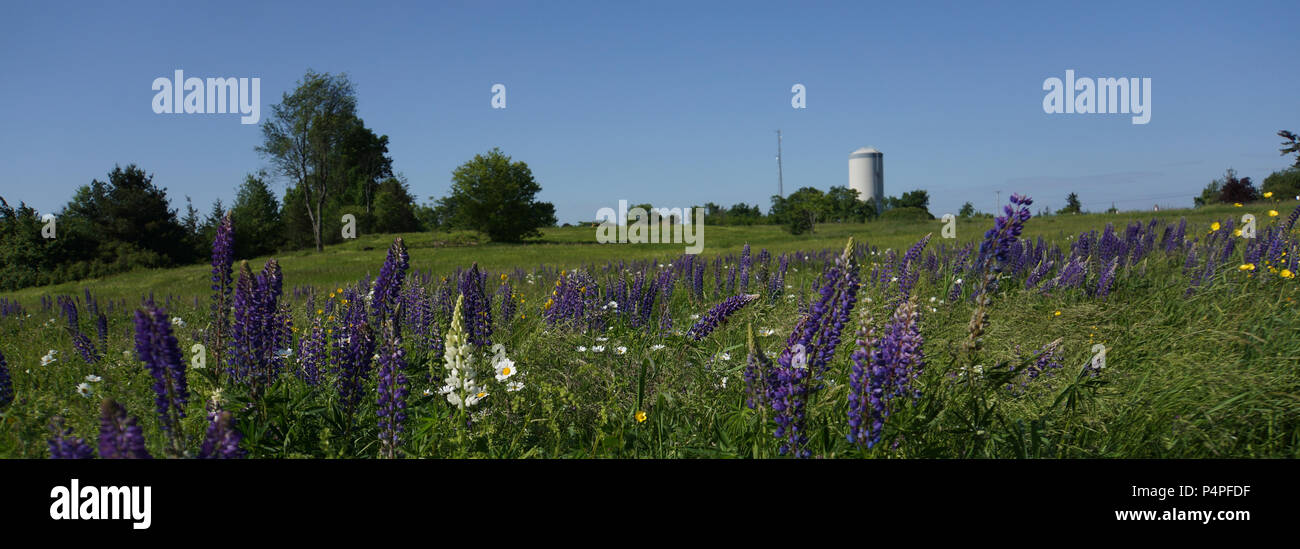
(780, 177)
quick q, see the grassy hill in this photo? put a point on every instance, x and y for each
(569, 247)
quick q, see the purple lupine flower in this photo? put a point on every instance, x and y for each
(860, 410)
(908, 270)
(353, 350)
(223, 258)
(101, 325)
(1277, 244)
(744, 269)
(718, 315)
(697, 280)
(311, 354)
(84, 347)
(1038, 273)
(889, 370)
(392, 391)
(259, 332)
(222, 438)
(1006, 230)
(1106, 278)
(119, 435)
(507, 303)
(65, 446)
(477, 309)
(157, 348)
(6, 384)
(808, 351)
(388, 285)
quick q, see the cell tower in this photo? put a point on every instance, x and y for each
(780, 179)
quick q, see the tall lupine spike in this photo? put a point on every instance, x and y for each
(222, 438)
(388, 285)
(353, 350)
(65, 446)
(119, 435)
(6, 383)
(157, 348)
(477, 309)
(997, 242)
(392, 391)
(718, 315)
(311, 353)
(745, 267)
(864, 425)
(1107, 277)
(223, 257)
(758, 373)
(909, 269)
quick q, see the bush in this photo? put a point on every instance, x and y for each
(907, 214)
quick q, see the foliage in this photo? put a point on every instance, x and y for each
(1072, 205)
(256, 218)
(497, 196)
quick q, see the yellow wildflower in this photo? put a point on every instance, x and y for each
(1286, 273)
(1272, 213)
(640, 416)
(1247, 267)
(1268, 194)
(1214, 226)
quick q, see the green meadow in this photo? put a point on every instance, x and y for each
(1210, 374)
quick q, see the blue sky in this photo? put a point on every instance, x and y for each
(670, 103)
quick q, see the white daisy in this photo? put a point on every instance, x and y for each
(505, 369)
(612, 305)
(94, 378)
(178, 322)
(695, 317)
(49, 358)
(724, 382)
(598, 349)
(514, 386)
(725, 356)
(84, 390)
(766, 332)
(602, 339)
(474, 398)
(582, 349)
(656, 347)
(620, 350)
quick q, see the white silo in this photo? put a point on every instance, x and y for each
(867, 174)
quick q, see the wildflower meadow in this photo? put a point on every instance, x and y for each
(1098, 336)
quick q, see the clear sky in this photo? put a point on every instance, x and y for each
(669, 103)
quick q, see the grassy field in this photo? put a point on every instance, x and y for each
(1206, 373)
